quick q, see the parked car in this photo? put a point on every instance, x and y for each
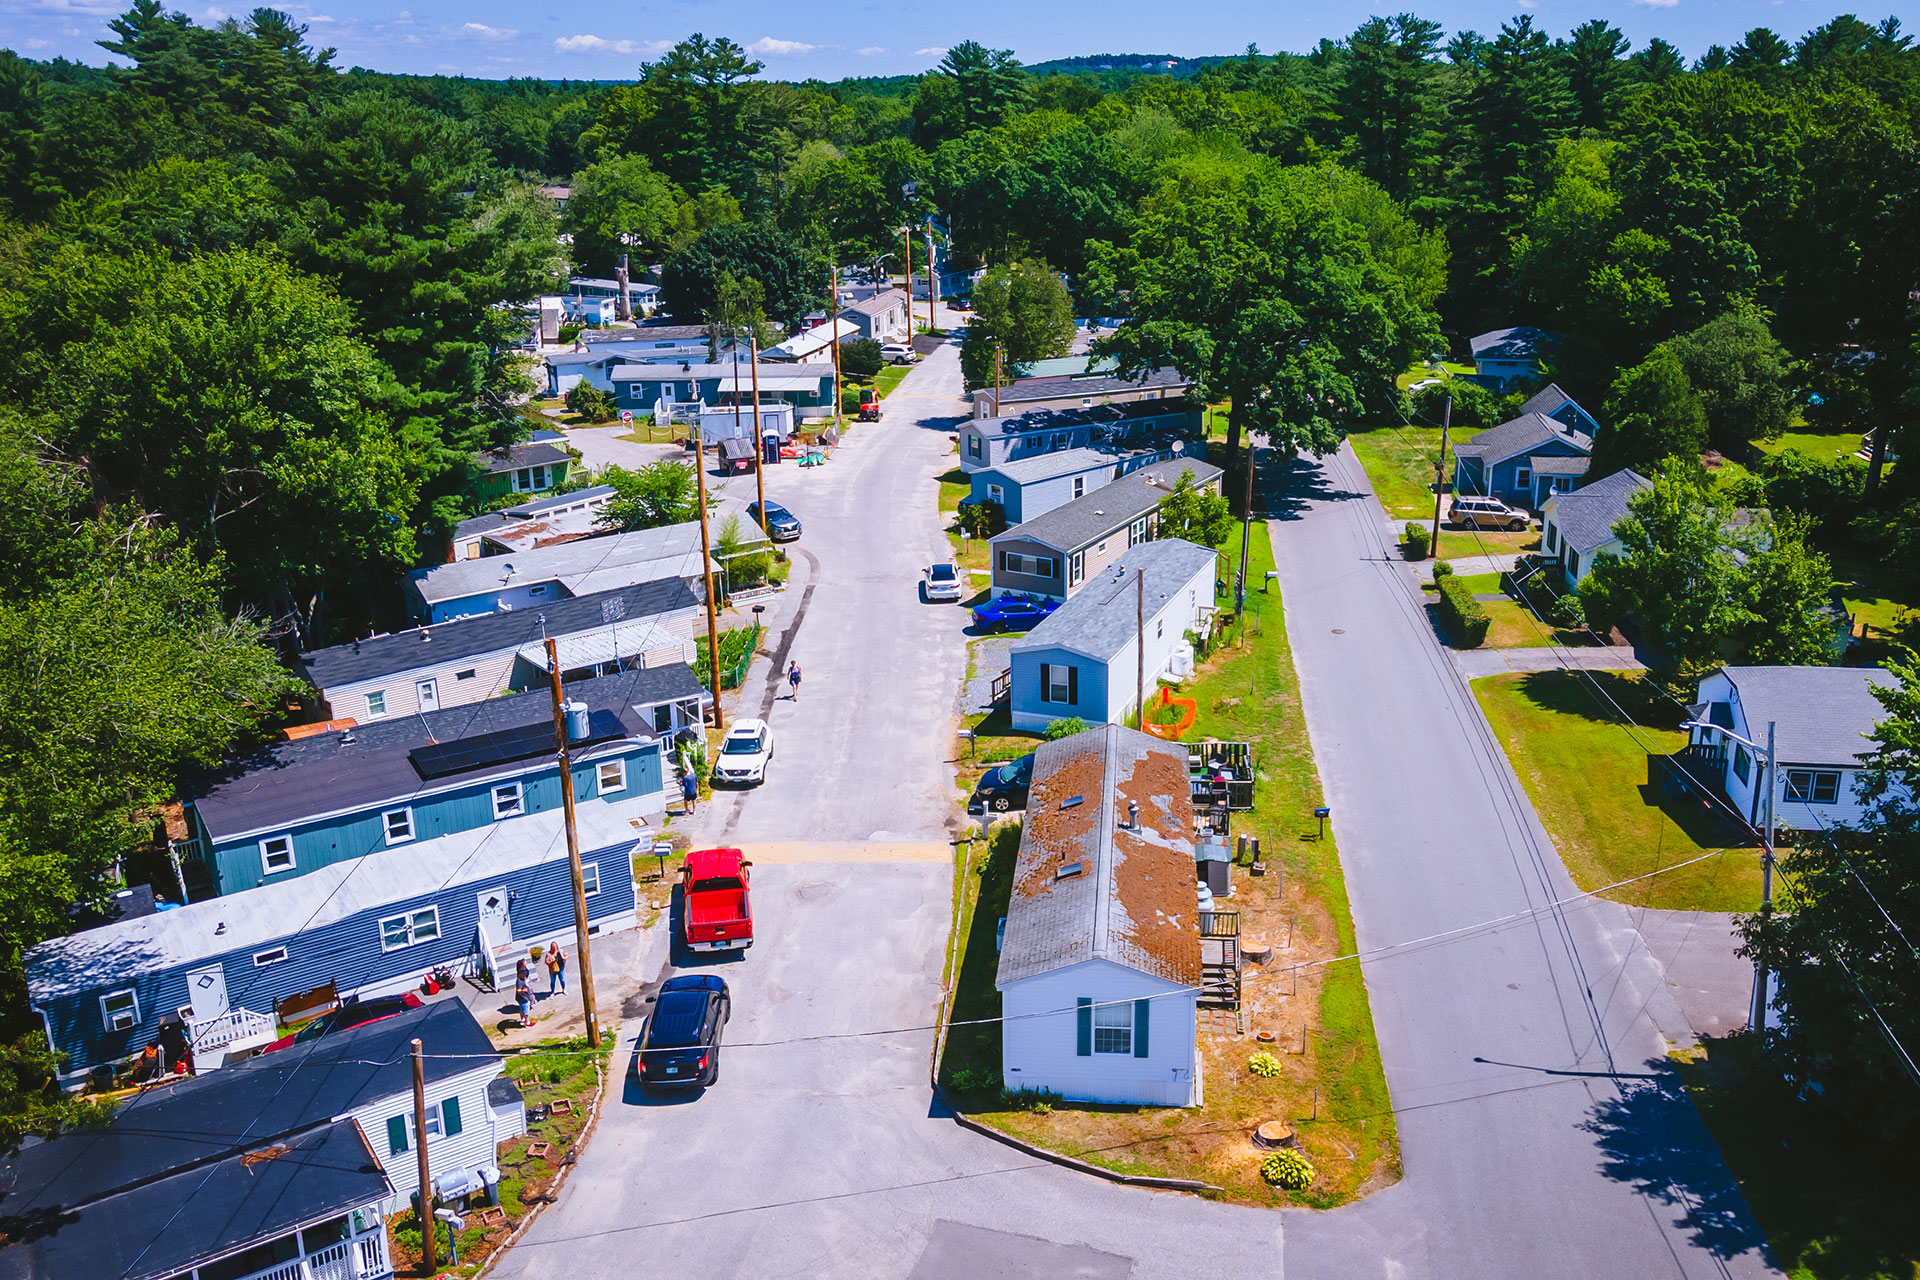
(744, 752)
(681, 1045)
(716, 907)
(781, 524)
(943, 581)
(1013, 613)
(1486, 513)
(1003, 787)
(354, 1013)
(898, 353)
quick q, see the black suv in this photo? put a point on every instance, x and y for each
(1003, 788)
(781, 524)
(681, 1045)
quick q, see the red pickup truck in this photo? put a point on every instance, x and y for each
(718, 913)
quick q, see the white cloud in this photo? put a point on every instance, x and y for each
(1656, 4)
(600, 44)
(931, 51)
(92, 7)
(486, 32)
(779, 48)
(214, 13)
(871, 51)
(38, 44)
(404, 16)
(321, 17)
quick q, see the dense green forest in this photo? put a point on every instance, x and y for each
(260, 309)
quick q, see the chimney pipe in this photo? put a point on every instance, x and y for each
(1133, 815)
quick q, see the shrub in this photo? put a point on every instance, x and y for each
(568, 332)
(1418, 540)
(1441, 569)
(860, 358)
(968, 1079)
(1567, 613)
(1038, 1101)
(1465, 620)
(590, 402)
(1264, 1065)
(1287, 1169)
(1065, 727)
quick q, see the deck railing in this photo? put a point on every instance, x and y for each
(229, 1028)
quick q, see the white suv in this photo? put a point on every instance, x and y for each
(898, 353)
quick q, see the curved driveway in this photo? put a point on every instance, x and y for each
(820, 1153)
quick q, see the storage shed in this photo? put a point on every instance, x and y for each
(1100, 968)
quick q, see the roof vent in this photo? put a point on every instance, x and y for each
(1072, 801)
(1133, 815)
(1068, 870)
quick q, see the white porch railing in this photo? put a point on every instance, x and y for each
(361, 1257)
(228, 1029)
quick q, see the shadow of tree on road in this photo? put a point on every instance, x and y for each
(1653, 1138)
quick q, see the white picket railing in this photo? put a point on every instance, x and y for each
(229, 1028)
(361, 1257)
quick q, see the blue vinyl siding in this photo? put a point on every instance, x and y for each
(1090, 703)
(318, 844)
(347, 952)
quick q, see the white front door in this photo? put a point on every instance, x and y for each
(207, 991)
(495, 921)
(429, 692)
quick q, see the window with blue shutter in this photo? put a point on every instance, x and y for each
(396, 1135)
(1084, 1048)
(450, 1107)
(1140, 1008)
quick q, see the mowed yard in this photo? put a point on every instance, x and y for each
(1600, 795)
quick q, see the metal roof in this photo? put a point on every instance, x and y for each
(186, 935)
(1112, 506)
(1821, 715)
(1586, 516)
(622, 559)
(1135, 901)
(610, 643)
(1040, 420)
(1101, 617)
(777, 376)
(595, 495)
(439, 643)
(1089, 384)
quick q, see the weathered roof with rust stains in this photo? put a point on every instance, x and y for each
(1136, 903)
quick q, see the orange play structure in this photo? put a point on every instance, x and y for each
(1188, 710)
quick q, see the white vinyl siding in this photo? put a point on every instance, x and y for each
(1040, 1037)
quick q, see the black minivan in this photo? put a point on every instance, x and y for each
(681, 1045)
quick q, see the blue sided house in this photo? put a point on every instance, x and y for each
(223, 969)
(306, 805)
(1525, 461)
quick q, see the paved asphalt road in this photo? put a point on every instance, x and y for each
(825, 1157)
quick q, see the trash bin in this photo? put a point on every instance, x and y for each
(491, 1177)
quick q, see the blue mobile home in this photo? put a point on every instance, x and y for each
(316, 801)
(367, 926)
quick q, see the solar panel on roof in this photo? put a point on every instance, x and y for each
(440, 759)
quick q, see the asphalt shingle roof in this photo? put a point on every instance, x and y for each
(1112, 506)
(1097, 384)
(1102, 616)
(1821, 715)
(1523, 434)
(1552, 464)
(1042, 420)
(1061, 462)
(1586, 516)
(537, 454)
(1522, 342)
(877, 303)
(1135, 903)
(444, 642)
(588, 565)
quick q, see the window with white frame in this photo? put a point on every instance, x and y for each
(590, 877)
(1813, 786)
(261, 959)
(276, 854)
(376, 704)
(409, 929)
(508, 801)
(531, 479)
(468, 674)
(398, 824)
(1137, 532)
(1076, 568)
(973, 446)
(1042, 566)
(1079, 486)
(120, 1010)
(996, 494)
(1523, 478)
(613, 775)
(663, 718)
(1113, 1027)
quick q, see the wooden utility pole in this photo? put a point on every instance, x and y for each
(931, 285)
(906, 237)
(996, 378)
(1440, 475)
(428, 1245)
(706, 569)
(1140, 651)
(759, 445)
(581, 943)
(833, 310)
(1246, 535)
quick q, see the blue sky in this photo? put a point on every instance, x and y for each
(860, 37)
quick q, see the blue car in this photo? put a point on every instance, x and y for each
(1013, 613)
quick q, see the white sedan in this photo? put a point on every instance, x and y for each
(943, 581)
(744, 753)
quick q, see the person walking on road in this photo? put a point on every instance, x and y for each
(556, 968)
(793, 680)
(690, 792)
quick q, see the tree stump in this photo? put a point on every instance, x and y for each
(1275, 1134)
(1256, 950)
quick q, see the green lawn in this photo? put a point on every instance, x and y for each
(1399, 463)
(1834, 1204)
(1818, 445)
(1420, 370)
(1248, 691)
(1595, 789)
(889, 377)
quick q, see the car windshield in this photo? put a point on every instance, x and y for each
(743, 746)
(942, 573)
(1019, 771)
(777, 512)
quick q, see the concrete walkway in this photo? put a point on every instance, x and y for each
(1467, 566)
(1696, 948)
(1475, 663)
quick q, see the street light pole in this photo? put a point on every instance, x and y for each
(1757, 1008)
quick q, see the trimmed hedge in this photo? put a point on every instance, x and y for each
(1418, 540)
(1465, 620)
